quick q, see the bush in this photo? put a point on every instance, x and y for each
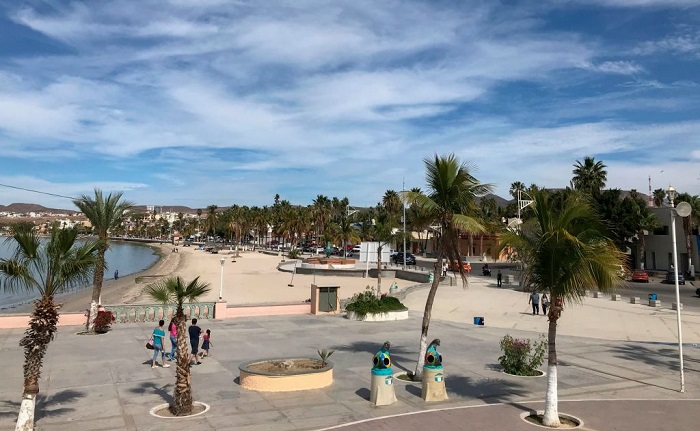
(518, 357)
(367, 303)
(103, 321)
(293, 253)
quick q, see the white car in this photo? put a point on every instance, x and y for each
(356, 250)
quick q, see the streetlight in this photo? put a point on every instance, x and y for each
(683, 210)
(221, 286)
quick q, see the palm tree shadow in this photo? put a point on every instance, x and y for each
(663, 356)
(63, 397)
(9, 408)
(365, 346)
(165, 392)
(489, 390)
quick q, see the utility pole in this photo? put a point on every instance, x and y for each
(403, 204)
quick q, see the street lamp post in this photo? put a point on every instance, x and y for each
(683, 210)
(221, 286)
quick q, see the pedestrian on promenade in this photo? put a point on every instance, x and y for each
(206, 343)
(545, 303)
(172, 330)
(535, 301)
(195, 332)
(116, 275)
(499, 277)
(159, 345)
(444, 269)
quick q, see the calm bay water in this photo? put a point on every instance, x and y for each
(127, 257)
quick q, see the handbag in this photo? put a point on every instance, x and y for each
(149, 343)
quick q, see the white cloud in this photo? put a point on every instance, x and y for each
(618, 67)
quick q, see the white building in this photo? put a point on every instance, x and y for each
(659, 245)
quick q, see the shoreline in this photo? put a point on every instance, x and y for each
(122, 291)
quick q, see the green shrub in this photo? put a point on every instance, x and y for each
(294, 253)
(367, 303)
(518, 357)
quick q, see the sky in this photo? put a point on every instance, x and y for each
(213, 102)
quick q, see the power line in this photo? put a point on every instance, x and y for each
(36, 191)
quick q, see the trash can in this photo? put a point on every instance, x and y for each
(652, 297)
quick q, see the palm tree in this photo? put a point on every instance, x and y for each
(383, 232)
(392, 202)
(516, 187)
(690, 222)
(659, 197)
(451, 192)
(105, 214)
(48, 268)
(565, 251)
(589, 176)
(211, 219)
(174, 290)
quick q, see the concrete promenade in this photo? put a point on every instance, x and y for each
(613, 374)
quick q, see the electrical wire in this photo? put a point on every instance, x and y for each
(36, 191)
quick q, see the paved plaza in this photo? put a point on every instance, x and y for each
(105, 382)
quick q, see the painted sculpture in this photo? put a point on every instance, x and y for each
(433, 382)
(382, 390)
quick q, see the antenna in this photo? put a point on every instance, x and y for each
(650, 198)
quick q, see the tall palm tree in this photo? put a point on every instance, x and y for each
(451, 193)
(419, 221)
(212, 217)
(48, 268)
(565, 251)
(105, 213)
(690, 222)
(659, 197)
(175, 290)
(392, 202)
(322, 210)
(516, 187)
(589, 176)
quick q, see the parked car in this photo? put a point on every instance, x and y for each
(640, 275)
(454, 266)
(398, 259)
(670, 278)
(356, 250)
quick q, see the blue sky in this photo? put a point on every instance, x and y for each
(200, 102)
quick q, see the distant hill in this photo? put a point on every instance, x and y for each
(23, 208)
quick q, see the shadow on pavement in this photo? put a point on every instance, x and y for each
(491, 390)
(63, 397)
(165, 392)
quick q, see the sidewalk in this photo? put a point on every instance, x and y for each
(106, 383)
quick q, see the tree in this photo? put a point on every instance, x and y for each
(105, 214)
(516, 187)
(211, 219)
(690, 222)
(174, 290)
(589, 176)
(392, 202)
(383, 232)
(451, 191)
(48, 268)
(564, 251)
(659, 197)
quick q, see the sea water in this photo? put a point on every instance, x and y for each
(126, 257)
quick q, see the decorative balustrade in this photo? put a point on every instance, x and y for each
(128, 313)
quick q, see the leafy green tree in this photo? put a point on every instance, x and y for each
(175, 290)
(589, 176)
(451, 192)
(48, 268)
(564, 251)
(105, 214)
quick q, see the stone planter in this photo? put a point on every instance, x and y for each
(378, 317)
(542, 374)
(286, 380)
(575, 422)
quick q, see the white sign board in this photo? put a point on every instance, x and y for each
(368, 252)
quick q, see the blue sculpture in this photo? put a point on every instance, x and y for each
(433, 358)
(382, 361)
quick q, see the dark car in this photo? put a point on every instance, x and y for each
(398, 259)
(670, 279)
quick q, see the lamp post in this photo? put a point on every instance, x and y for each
(403, 204)
(683, 210)
(221, 286)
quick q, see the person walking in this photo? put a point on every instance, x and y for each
(172, 330)
(195, 332)
(535, 301)
(499, 278)
(545, 303)
(116, 274)
(159, 345)
(444, 269)
(206, 343)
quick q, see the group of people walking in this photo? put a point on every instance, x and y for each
(195, 335)
(536, 301)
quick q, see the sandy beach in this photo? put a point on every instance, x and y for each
(252, 279)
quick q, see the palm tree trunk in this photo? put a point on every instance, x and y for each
(418, 373)
(41, 330)
(551, 406)
(379, 272)
(97, 285)
(688, 243)
(642, 249)
(182, 399)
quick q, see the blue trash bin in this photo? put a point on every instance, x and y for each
(652, 297)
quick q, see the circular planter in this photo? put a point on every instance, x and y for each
(579, 422)
(398, 377)
(378, 317)
(541, 374)
(154, 411)
(252, 378)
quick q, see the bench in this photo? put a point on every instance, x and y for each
(616, 297)
(674, 306)
(635, 300)
(654, 303)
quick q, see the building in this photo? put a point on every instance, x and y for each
(659, 245)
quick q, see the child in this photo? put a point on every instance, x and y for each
(206, 343)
